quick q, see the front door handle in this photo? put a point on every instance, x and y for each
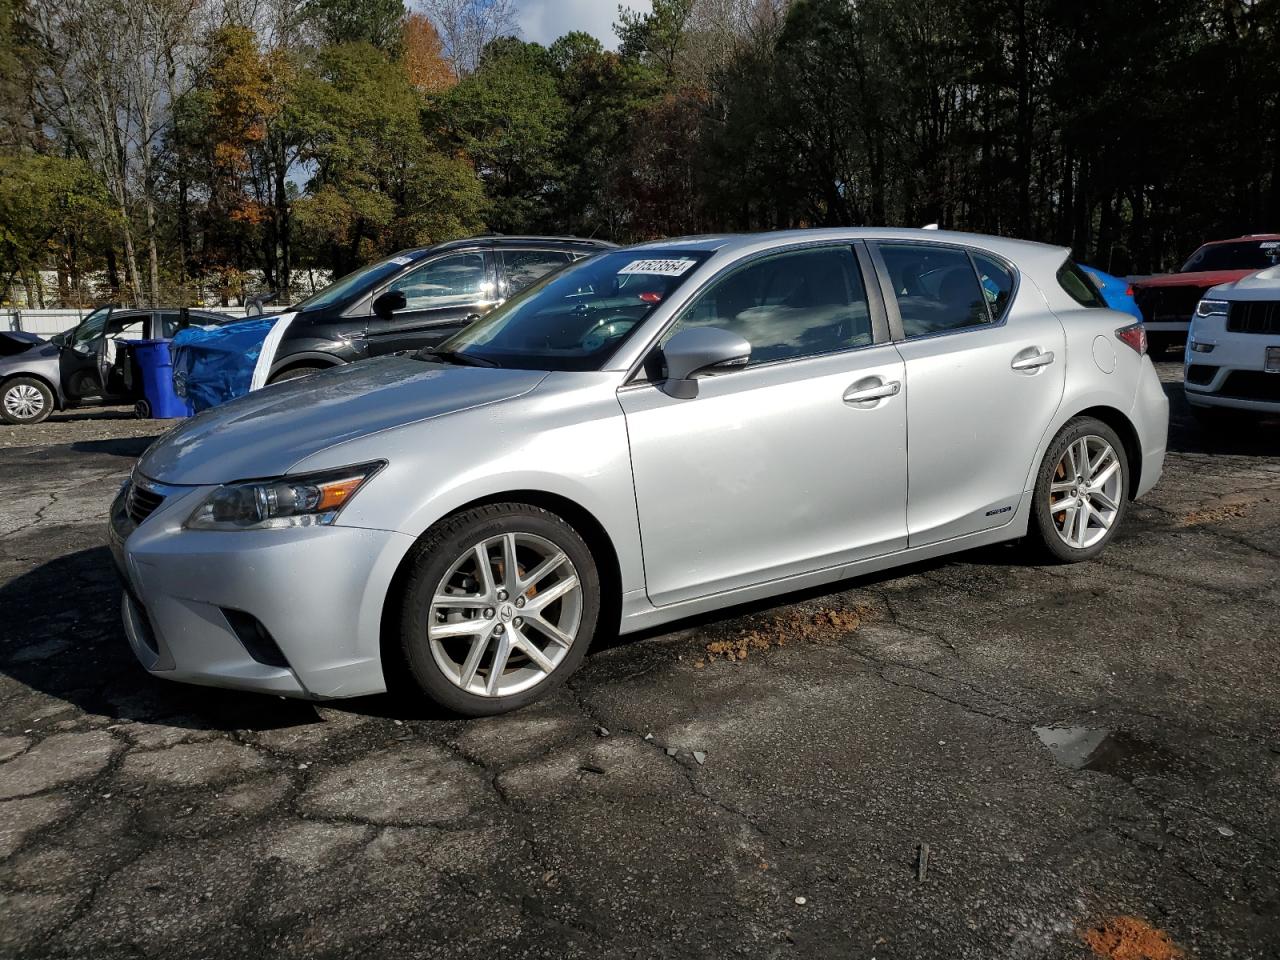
(870, 390)
(1032, 359)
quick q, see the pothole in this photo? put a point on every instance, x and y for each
(1103, 751)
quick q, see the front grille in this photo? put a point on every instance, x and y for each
(1162, 304)
(1252, 385)
(141, 503)
(1201, 373)
(1254, 316)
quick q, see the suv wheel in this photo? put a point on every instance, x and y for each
(500, 605)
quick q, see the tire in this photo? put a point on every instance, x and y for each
(438, 640)
(1106, 496)
(295, 373)
(25, 400)
(142, 410)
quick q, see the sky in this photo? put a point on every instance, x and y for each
(545, 20)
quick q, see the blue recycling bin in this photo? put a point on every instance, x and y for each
(155, 365)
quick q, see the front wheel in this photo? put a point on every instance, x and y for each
(1081, 491)
(500, 604)
(25, 400)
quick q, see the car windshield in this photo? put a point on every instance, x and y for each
(577, 318)
(1241, 255)
(357, 282)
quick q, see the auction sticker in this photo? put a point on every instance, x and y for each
(661, 268)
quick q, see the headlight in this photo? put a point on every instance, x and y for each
(1212, 308)
(306, 500)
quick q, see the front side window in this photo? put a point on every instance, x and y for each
(1079, 286)
(936, 288)
(451, 281)
(523, 267)
(799, 304)
(89, 329)
(577, 318)
(357, 283)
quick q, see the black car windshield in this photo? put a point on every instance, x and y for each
(357, 282)
(577, 318)
(1242, 255)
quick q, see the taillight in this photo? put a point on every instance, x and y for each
(1128, 291)
(1135, 335)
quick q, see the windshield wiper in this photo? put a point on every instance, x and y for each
(453, 356)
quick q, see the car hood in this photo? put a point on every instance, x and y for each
(1200, 278)
(15, 342)
(1263, 285)
(266, 432)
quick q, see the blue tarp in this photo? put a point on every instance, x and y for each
(214, 365)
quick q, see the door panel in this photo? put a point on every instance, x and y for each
(979, 396)
(443, 295)
(768, 473)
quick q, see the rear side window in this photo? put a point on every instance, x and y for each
(523, 267)
(936, 288)
(1078, 285)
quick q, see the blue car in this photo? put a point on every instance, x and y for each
(1117, 292)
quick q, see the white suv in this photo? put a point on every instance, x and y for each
(1233, 347)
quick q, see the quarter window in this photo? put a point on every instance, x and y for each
(936, 288)
(798, 304)
(996, 281)
(456, 280)
(1078, 285)
(525, 266)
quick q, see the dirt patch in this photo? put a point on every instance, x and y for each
(778, 631)
(1232, 507)
(1129, 938)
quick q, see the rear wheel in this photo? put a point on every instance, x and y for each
(1081, 491)
(25, 400)
(500, 605)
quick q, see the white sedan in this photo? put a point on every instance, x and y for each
(1233, 349)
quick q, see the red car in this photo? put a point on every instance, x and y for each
(1167, 300)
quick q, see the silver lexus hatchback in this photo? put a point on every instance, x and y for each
(651, 433)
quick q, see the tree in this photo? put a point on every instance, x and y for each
(375, 22)
(467, 27)
(508, 119)
(423, 55)
(49, 208)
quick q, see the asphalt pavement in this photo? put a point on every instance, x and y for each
(977, 757)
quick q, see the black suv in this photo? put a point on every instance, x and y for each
(416, 298)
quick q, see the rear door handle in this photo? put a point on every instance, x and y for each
(871, 390)
(1029, 360)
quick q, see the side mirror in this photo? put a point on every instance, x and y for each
(700, 350)
(387, 304)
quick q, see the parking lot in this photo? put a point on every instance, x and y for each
(860, 773)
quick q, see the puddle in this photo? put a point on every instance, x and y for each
(1103, 751)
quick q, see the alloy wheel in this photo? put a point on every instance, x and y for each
(1085, 491)
(23, 401)
(505, 614)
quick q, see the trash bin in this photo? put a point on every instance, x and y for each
(155, 364)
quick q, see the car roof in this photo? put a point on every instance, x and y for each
(1015, 250)
(1244, 239)
(499, 241)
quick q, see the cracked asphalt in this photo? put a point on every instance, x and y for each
(141, 818)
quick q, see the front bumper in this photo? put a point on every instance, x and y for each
(1233, 374)
(295, 612)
